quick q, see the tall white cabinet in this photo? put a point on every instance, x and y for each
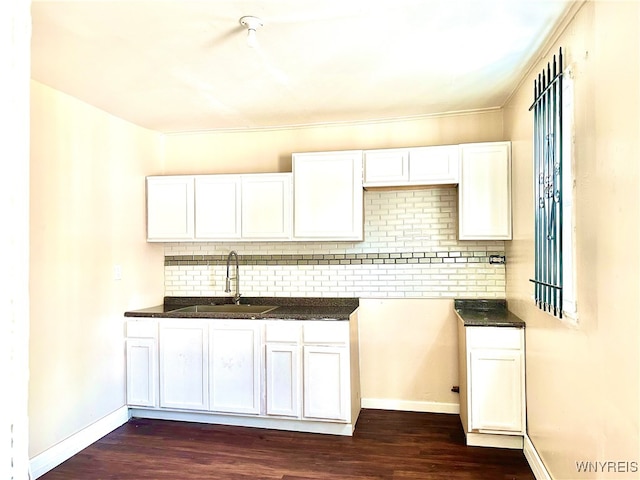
(328, 199)
(484, 192)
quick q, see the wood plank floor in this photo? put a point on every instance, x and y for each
(387, 445)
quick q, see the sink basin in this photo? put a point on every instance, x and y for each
(227, 308)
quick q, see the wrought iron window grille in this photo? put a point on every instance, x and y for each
(547, 159)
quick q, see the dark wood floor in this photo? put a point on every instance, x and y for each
(386, 445)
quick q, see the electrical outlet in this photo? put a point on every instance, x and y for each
(117, 272)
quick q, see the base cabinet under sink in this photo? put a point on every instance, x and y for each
(283, 374)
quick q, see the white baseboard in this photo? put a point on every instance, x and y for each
(410, 406)
(493, 440)
(54, 456)
(535, 462)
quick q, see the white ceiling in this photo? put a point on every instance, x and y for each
(180, 65)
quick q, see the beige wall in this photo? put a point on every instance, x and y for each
(582, 381)
(408, 354)
(270, 150)
(87, 215)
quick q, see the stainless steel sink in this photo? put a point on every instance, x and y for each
(228, 308)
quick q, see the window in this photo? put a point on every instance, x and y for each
(554, 278)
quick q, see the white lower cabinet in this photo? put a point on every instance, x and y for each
(142, 372)
(283, 372)
(283, 376)
(234, 373)
(141, 348)
(184, 364)
(327, 392)
(318, 386)
(286, 374)
(492, 385)
(326, 382)
(495, 390)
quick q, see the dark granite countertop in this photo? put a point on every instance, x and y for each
(486, 313)
(288, 308)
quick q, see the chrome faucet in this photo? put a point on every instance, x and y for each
(236, 297)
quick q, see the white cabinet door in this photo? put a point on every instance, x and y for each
(433, 165)
(142, 372)
(235, 366)
(184, 364)
(217, 210)
(283, 379)
(411, 166)
(386, 167)
(170, 206)
(485, 191)
(326, 382)
(495, 390)
(328, 196)
(266, 206)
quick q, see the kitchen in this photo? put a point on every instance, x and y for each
(580, 377)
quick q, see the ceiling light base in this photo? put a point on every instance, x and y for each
(251, 24)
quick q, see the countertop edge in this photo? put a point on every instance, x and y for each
(487, 314)
(289, 308)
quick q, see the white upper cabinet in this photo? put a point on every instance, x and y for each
(484, 193)
(328, 196)
(217, 207)
(170, 207)
(434, 165)
(386, 167)
(411, 166)
(266, 206)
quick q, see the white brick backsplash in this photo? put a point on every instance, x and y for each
(403, 229)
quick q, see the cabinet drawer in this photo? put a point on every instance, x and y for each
(142, 329)
(282, 331)
(326, 332)
(494, 337)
